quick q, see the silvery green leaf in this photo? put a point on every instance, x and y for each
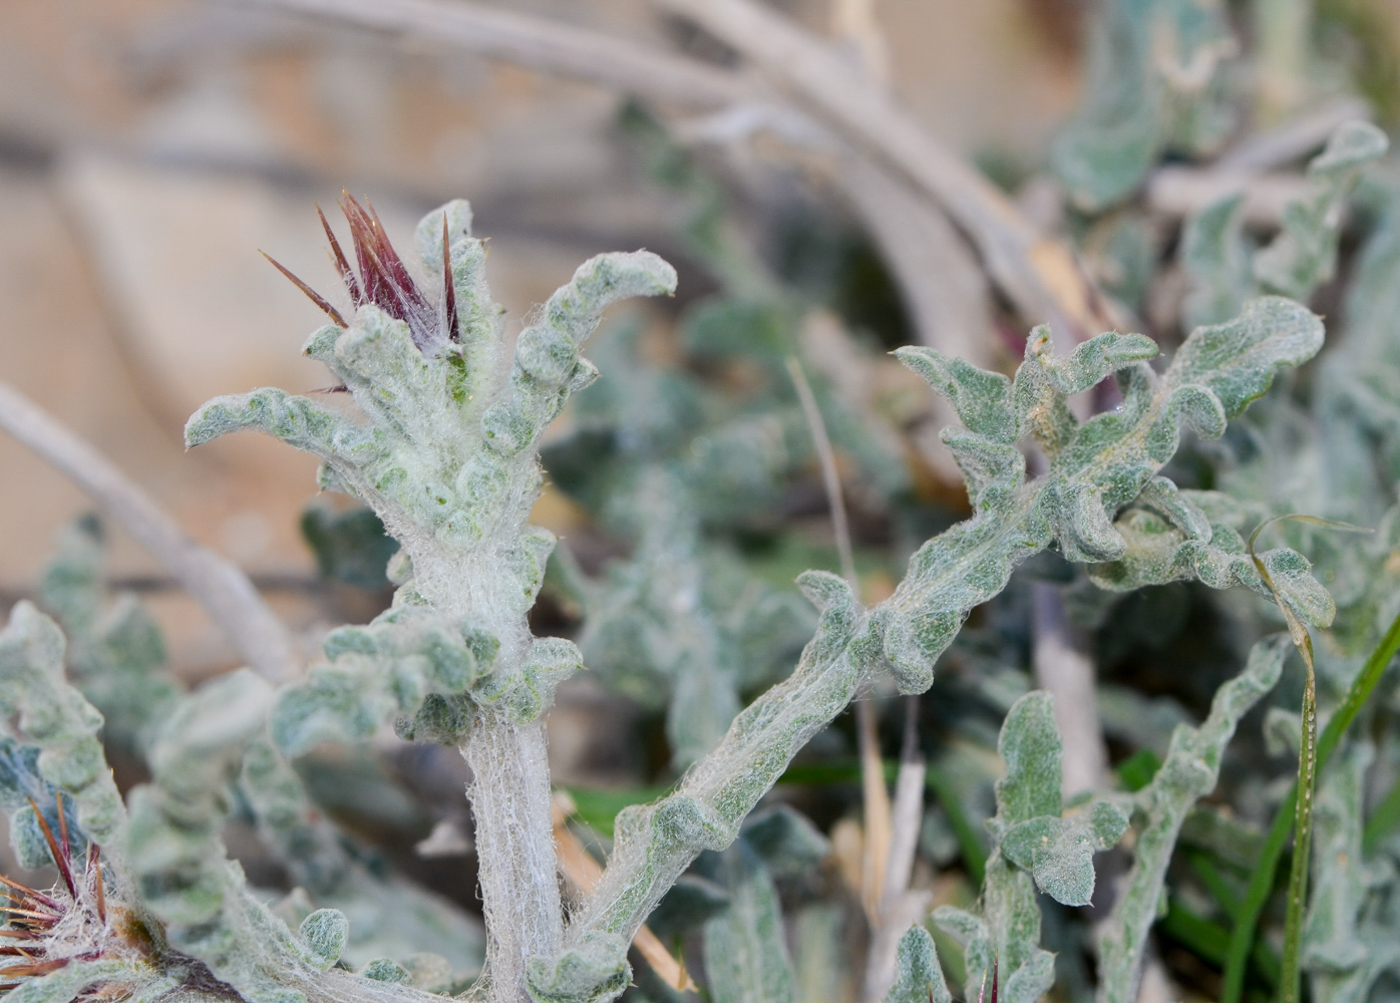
(1367, 361)
(116, 654)
(175, 849)
(593, 968)
(786, 842)
(1152, 85)
(1059, 852)
(817, 942)
(1031, 748)
(389, 667)
(681, 623)
(1217, 261)
(21, 788)
(975, 937)
(324, 933)
(1332, 947)
(388, 915)
(446, 456)
(1158, 552)
(40, 709)
(918, 976)
(691, 901)
(1304, 253)
(385, 970)
(654, 844)
(69, 982)
(746, 957)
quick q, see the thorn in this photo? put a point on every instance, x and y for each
(311, 294)
(38, 968)
(347, 274)
(63, 843)
(26, 892)
(59, 859)
(449, 291)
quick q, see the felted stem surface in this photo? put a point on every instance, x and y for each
(516, 855)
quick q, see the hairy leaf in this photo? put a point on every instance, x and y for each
(918, 978)
(1096, 469)
(53, 717)
(1153, 84)
(746, 955)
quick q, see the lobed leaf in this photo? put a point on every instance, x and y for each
(51, 716)
(1304, 253)
(390, 667)
(1096, 468)
(654, 844)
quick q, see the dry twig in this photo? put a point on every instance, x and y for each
(900, 907)
(1038, 274)
(221, 588)
(540, 45)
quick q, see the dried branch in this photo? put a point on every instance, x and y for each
(1293, 140)
(943, 284)
(854, 23)
(221, 588)
(1254, 167)
(540, 45)
(1038, 274)
(876, 808)
(1184, 191)
(900, 907)
(831, 477)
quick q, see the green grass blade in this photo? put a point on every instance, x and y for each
(1383, 821)
(974, 851)
(1262, 880)
(1298, 875)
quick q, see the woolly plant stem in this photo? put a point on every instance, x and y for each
(217, 585)
(1190, 772)
(516, 856)
(1261, 882)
